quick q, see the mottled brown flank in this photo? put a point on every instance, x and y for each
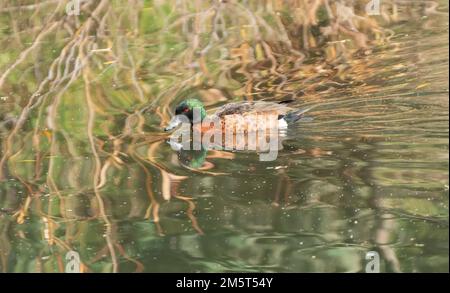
(243, 124)
(249, 122)
(238, 133)
(246, 122)
(243, 117)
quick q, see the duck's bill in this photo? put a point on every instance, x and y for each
(173, 123)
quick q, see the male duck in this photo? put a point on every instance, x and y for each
(286, 115)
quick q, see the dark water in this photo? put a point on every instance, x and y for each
(89, 168)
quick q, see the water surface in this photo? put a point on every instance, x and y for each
(86, 166)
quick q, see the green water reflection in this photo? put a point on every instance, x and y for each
(85, 165)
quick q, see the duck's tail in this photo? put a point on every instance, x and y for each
(294, 116)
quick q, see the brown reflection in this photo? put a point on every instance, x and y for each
(85, 98)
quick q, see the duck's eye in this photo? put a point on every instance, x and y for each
(185, 110)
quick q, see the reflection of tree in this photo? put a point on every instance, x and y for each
(85, 93)
(353, 178)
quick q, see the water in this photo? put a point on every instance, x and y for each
(87, 167)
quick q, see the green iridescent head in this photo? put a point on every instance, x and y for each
(193, 109)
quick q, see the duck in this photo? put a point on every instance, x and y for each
(233, 111)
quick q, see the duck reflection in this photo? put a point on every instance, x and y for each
(192, 159)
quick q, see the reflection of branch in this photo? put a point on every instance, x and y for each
(28, 7)
(5, 243)
(55, 79)
(168, 182)
(382, 238)
(385, 222)
(153, 207)
(51, 27)
(244, 45)
(97, 171)
(190, 212)
(139, 265)
(23, 56)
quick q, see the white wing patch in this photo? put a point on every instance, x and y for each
(282, 124)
